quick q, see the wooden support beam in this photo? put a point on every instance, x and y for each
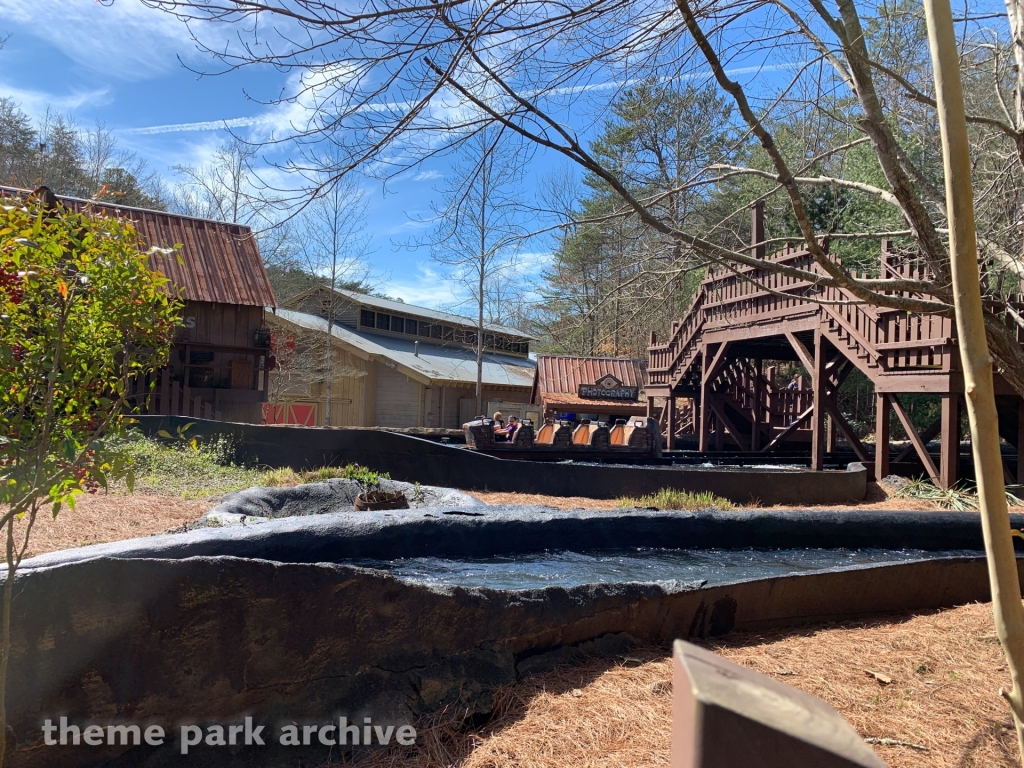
(949, 456)
(851, 437)
(830, 434)
(670, 424)
(726, 422)
(797, 422)
(1020, 441)
(802, 351)
(819, 382)
(710, 371)
(927, 435)
(919, 445)
(881, 435)
(650, 402)
(165, 392)
(705, 409)
(755, 431)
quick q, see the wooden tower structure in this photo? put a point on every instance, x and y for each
(744, 316)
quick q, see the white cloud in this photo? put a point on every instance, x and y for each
(126, 40)
(35, 102)
(428, 176)
(203, 125)
(428, 288)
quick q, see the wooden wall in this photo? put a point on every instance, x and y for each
(229, 325)
(398, 399)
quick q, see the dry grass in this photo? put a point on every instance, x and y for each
(99, 518)
(877, 498)
(559, 502)
(946, 670)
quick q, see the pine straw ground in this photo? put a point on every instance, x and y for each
(100, 518)
(946, 669)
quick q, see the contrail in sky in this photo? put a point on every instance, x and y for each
(248, 122)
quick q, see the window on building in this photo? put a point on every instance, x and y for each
(435, 331)
(471, 337)
(366, 318)
(397, 324)
(383, 321)
(410, 326)
(489, 340)
(424, 329)
(448, 333)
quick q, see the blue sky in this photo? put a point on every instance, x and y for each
(128, 66)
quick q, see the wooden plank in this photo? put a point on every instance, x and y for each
(915, 438)
(914, 344)
(788, 430)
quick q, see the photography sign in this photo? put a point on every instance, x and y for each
(608, 388)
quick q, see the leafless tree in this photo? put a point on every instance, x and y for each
(398, 77)
(477, 234)
(333, 245)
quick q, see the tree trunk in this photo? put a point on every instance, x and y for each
(5, 635)
(480, 338)
(977, 363)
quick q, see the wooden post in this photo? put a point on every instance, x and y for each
(719, 434)
(670, 423)
(818, 417)
(650, 407)
(705, 410)
(949, 456)
(1020, 441)
(881, 435)
(755, 432)
(830, 434)
(166, 407)
(757, 247)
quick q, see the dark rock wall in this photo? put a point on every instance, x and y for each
(215, 625)
(413, 459)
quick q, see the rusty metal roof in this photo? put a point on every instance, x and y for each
(558, 379)
(217, 262)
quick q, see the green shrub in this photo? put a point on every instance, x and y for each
(196, 468)
(671, 498)
(187, 468)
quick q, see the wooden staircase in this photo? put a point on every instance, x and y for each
(744, 316)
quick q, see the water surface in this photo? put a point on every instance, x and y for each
(643, 565)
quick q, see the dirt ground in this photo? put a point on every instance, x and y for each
(942, 708)
(100, 518)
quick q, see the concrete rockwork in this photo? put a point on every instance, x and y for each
(415, 460)
(255, 505)
(269, 622)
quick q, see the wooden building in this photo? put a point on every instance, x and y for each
(742, 317)
(393, 365)
(220, 357)
(596, 388)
